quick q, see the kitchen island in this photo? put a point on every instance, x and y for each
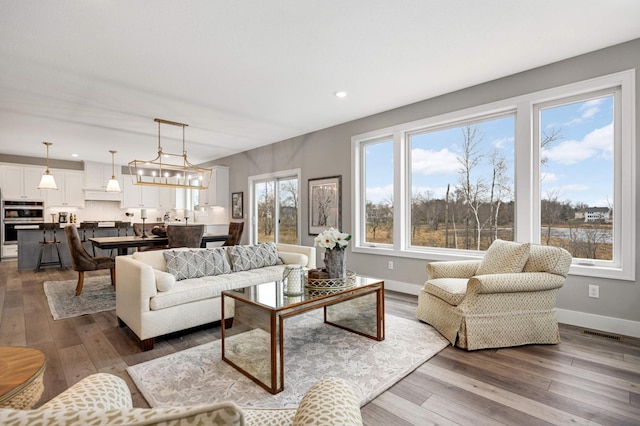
(29, 247)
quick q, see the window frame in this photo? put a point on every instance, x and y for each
(526, 178)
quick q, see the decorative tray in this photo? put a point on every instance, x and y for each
(332, 283)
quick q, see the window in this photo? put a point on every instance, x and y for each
(378, 192)
(274, 207)
(577, 177)
(462, 184)
(554, 167)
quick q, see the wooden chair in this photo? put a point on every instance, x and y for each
(49, 240)
(235, 233)
(185, 235)
(83, 261)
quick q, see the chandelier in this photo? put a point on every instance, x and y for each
(169, 170)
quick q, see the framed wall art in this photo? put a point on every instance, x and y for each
(237, 207)
(325, 204)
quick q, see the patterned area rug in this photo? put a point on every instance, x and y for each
(97, 296)
(312, 350)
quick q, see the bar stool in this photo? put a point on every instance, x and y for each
(123, 230)
(49, 229)
(89, 226)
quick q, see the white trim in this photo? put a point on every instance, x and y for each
(599, 322)
(527, 205)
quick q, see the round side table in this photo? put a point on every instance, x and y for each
(21, 374)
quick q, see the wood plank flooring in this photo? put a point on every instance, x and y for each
(585, 379)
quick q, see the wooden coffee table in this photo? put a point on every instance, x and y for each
(21, 374)
(260, 311)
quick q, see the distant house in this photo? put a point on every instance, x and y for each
(594, 214)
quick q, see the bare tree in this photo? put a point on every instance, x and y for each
(473, 190)
(550, 212)
(500, 190)
(323, 196)
(549, 135)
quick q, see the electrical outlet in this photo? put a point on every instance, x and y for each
(594, 291)
(390, 264)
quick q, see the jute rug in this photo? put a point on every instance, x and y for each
(97, 296)
(313, 350)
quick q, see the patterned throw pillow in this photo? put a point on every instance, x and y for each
(215, 262)
(184, 264)
(244, 258)
(504, 257)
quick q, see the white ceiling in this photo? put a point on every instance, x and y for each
(91, 76)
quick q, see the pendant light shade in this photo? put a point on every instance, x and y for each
(47, 181)
(113, 185)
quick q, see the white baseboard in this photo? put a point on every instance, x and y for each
(576, 318)
(599, 322)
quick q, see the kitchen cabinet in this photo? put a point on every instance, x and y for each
(172, 198)
(21, 183)
(96, 176)
(218, 192)
(135, 196)
(69, 193)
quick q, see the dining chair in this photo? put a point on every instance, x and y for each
(185, 235)
(82, 261)
(235, 233)
(88, 226)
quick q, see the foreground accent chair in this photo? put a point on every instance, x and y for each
(235, 233)
(185, 235)
(83, 261)
(506, 299)
(105, 399)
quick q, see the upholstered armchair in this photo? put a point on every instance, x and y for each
(104, 399)
(506, 299)
(83, 261)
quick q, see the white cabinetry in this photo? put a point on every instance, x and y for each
(96, 176)
(21, 183)
(172, 198)
(69, 193)
(218, 192)
(139, 196)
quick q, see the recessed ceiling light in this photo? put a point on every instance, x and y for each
(74, 155)
(341, 94)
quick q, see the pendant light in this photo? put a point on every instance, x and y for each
(170, 170)
(113, 185)
(47, 181)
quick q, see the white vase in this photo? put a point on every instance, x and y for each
(335, 263)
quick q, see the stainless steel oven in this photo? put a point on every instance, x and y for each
(14, 214)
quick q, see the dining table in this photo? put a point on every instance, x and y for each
(124, 243)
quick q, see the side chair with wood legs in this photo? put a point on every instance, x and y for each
(83, 261)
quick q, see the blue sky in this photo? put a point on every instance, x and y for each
(579, 164)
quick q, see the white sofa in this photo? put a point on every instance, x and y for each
(104, 399)
(152, 302)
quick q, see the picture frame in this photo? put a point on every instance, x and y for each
(237, 205)
(325, 204)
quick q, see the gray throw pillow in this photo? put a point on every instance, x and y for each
(244, 258)
(215, 262)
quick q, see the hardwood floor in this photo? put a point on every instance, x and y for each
(587, 379)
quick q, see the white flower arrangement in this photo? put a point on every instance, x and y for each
(332, 239)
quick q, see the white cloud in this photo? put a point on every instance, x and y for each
(598, 142)
(503, 142)
(588, 110)
(428, 162)
(548, 177)
(435, 192)
(574, 187)
(379, 193)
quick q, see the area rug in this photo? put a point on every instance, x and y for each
(97, 296)
(313, 350)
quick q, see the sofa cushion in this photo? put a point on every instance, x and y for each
(244, 258)
(196, 263)
(451, 290)
(164, 280)
(294, 258)
(504, 257)
(196, 289)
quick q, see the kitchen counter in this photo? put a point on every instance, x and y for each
(29, 249)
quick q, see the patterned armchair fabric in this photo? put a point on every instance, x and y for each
(104, 399)
(494, 310)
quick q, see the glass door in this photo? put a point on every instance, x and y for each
(275, 209)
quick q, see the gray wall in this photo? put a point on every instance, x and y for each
(328, 152)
